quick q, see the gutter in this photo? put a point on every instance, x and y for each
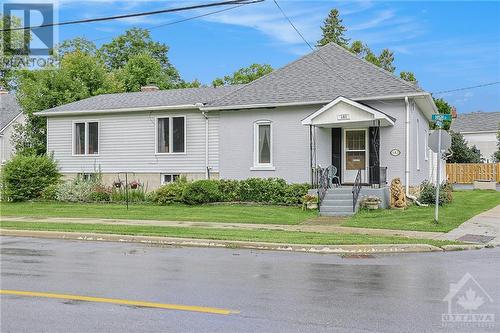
(407, 154)
(137, 109)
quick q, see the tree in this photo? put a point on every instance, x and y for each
(408, 76)
(461, 152)
(496, 155)
(79, 44)
(15, 41)
(79, 76)
(244, 75)
(443, 108)
(141, 70)
(386, 60)
(333, 30)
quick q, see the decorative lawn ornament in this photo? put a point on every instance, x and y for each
(398, 197)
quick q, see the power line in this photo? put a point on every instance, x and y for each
(190, 18)
(467, 88)
(162, 11)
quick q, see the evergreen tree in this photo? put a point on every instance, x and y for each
(333, 30)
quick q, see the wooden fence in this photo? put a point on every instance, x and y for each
(467, 173)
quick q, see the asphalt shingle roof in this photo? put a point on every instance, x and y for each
(322, 75)
(9, 109)
(172, 97)
(476, 122)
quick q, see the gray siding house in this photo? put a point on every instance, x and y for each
(10, 115)
(326, 108)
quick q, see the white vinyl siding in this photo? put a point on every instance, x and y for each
(128, 143)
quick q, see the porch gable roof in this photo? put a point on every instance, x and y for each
(344, 111)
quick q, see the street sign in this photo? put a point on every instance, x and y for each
(434, 140)
(441, 117)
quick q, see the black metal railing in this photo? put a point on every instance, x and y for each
(356, 188)
(323, 182)
(378, 175)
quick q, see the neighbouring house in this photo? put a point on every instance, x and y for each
(479, 129)
(326, 108)
(10, 115)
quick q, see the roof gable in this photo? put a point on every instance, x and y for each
(320, 76)
(9, 109)
(342, 111)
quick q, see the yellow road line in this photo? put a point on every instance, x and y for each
(120, 301)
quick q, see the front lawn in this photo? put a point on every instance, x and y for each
(203, 213)
(270, 236)
(465, 205)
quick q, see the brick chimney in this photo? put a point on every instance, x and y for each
(3, 90)
(149, 88)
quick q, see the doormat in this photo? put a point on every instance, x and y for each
(476, 238)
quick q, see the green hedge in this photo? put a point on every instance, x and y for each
(26, 177)
(259, 190)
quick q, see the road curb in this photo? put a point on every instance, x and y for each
(463, 247)
(189, 242)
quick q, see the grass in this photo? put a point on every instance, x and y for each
(262, 214)
(465, 205)
(272, 236)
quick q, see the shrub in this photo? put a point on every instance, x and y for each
(270, 190)
(100, 194)
(294, 193)
(169, 193)
(201, 191)
(78, 190)
(428, 193)
(25, 177)
(50, 192)
(229, 190)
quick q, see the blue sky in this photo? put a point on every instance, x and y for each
(447, 44)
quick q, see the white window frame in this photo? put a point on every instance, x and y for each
(418, 144)
(426, 144)
(262, 166)
(162, 178)
(73, 136)
(170, 134)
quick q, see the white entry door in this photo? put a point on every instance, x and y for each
(355, 154)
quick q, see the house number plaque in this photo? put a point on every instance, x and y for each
(395, 152)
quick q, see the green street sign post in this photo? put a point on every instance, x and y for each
(439, 119)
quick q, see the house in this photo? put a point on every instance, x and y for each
(479, 129)
(326, 108)
(10, 115)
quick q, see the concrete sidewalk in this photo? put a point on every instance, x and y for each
(483, 228)
(319, 228)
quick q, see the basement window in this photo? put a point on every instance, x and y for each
(167, 178)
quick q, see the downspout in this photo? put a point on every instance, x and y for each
(407, 155)
(206, 144)
(407, 150)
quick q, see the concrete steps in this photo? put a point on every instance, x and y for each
(337, 202)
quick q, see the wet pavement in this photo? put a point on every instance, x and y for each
(274, 291)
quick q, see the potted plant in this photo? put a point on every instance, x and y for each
(371, 202)
(117, 184)
(310, 202)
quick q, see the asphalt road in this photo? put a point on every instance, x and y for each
(273, 291)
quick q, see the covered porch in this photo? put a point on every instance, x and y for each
(345, 144)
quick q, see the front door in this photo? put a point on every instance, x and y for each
(355, 155)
